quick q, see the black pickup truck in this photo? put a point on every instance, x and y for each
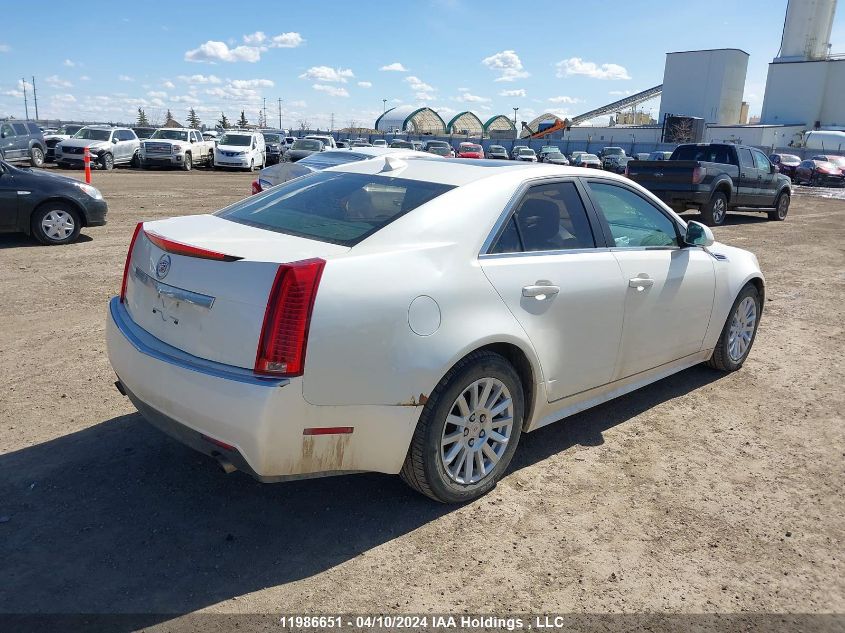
(715, 178)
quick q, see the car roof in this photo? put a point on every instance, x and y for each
(458, 171)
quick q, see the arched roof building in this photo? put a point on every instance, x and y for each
(465, 123)
(499, 125)
(414, 119)
(534, 126)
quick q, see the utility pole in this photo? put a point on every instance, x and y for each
(280, 113)
(35, 98)
(515, 110)
(331, 129)
(384, 101)
(25, 103)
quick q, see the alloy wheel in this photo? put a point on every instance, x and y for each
(741, 334)
(477, 431)
(719, 210)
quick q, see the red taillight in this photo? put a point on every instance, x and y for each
(178, 248)
(281, 347)
(698, 175)
(256, 187)
(128, 258)
(223, 445)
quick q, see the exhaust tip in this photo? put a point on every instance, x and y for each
(227, 466)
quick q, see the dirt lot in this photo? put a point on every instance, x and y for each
(701, 493)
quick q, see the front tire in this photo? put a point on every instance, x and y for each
(714, 212)
(739, 331)
(107, 161)
(36, 157)
(252, 165)
(468, 430)
(781, 208)
(136, 159)
(55, 223)
(188, 163)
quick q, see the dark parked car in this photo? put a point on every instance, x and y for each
(555, 158)
(818, 172)
(51, 208)
(22, 141)
(401, 144)
(715, 178)
(497, 152)
(273, 143)
(787, 163)
(590, 161)
(303, 147)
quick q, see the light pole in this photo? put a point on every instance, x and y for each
(384, 103)
(514, 116)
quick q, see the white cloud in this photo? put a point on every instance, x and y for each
(327, 73)
(84, 78)
(157, 94)
(471, 98)
(252, 83)
(69, 63)
(507, 64)
(286, 40)
(169, 85)
(124, 78)
(620, 93)
(199, 79)
(183, 99)
(577, 66)
(254, 39)
(418, 84)
(5, 48)
(297, 104)
(396, 67)
(513, 93)
(567, 100)
(57, 82)
(365, 84)
(64, 98)
(331, 90)
(213, 51)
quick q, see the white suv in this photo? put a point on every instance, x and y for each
(242, 150)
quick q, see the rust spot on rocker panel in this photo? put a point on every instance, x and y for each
(415, 402)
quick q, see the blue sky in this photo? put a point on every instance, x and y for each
(345, 57)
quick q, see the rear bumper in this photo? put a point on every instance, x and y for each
(263, 419)
(683, 200)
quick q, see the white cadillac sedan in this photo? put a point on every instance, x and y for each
(416, 316)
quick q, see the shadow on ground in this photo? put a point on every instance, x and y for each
(119, 518)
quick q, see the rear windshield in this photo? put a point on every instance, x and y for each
(308, 145)
(470, 148)
(272, 138)
(339, 208)
(704, 153)
(613, 151)
(402, 145)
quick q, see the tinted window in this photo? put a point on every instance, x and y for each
(308, 145)
(239, 140)
(20, 129)
(340, 208)
(93, 135)
(549, 218)
(6, 130)
(704, 153)
(125, 135)
(633, 220)
(508, 241)
(33, 129)
(745, 158)
(760, 161)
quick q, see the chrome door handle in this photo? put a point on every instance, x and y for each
(640, 283)
(540, 290)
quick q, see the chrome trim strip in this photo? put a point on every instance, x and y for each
(150, 346)
(572, 251)
(178, 294)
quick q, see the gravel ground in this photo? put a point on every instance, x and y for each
(702, 493)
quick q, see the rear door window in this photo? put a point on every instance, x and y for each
(340, 208)
(33, 129)
(20, 129)
(550, 217)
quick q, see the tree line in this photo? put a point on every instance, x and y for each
(193, 120)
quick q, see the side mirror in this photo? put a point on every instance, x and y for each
(114, 140)
(774, 169)
(698, 235)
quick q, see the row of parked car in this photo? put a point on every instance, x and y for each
(824, 169)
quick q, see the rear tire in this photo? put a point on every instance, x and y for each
(36, 157)
(781, 207)
(737, 338)
(55, 223)
(479, 406)
(716, 210)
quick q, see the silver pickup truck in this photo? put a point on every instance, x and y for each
(176, 147)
